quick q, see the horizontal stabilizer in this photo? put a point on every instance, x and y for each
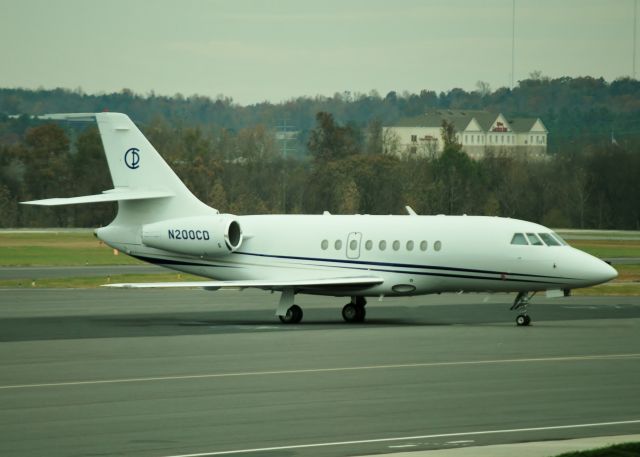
(112, 195)
(353, 281)
(82, 117)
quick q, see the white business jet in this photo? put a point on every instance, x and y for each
(160, 221)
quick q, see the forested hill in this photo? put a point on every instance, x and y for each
(575, 110)
(231, 158)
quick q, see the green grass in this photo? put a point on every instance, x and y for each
(95, 281)
(57, 256)
(619, 450)
(56, 249)
(608, 248)
(610, 290)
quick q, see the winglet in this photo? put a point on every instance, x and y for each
(410, 211)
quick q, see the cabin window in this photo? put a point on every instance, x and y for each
(396, 245)
(382, 245)
(437, 245)
(324, 245)
(338, 245)
(520, 239)
(353, 245)
(368, 245)
(423, 245)
(534, 240)
(548, 239)
(409, 245)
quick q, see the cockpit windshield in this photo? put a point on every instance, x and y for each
(548, 239)
(518, 238)
(537, 239)
(534, 240)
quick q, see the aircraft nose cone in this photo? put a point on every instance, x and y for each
(589, 270)
(600, 271)
(607, 272)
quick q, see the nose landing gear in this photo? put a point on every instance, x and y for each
(523, 320)
(522, 301)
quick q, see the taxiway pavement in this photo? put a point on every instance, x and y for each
(174, 373)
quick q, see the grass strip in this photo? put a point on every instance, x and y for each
(62, 256)
(619, 450)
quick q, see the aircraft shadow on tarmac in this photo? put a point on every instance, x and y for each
(217, 322)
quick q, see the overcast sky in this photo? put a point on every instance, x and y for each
(257, 50)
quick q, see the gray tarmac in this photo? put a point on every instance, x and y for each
(184, 372)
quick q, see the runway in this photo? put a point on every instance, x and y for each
(174, 373)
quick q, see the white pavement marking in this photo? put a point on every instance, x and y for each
(406, 438)
(328, 370)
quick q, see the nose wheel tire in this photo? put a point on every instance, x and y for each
(353, 313)
(293, 316)
(523, 320)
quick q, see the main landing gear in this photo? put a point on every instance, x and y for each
(354, 312)
(290, 313)
(292, 316)
(522, 301)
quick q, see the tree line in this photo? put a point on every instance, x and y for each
(577, 111)
(243, 171)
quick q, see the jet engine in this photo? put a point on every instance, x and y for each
(205, 236)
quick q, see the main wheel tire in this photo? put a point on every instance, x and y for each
(350, 312)
(523, 320)
(353, 313)
(293, 316)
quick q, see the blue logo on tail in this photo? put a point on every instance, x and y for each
(132, 158)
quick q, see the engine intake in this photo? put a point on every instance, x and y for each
(207, 236)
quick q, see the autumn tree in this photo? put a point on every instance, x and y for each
(330, 141)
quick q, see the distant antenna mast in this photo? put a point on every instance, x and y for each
(284, 134)
(635, 20)
(513, 41)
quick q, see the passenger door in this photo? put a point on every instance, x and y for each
(353, 245)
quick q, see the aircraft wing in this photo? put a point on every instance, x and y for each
(350, 281)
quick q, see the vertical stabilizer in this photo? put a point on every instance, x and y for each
(133, 161)
(135, 164)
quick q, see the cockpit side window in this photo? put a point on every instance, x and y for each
(519, 238)
(534, 240)
(559, 238)
(548, 239)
